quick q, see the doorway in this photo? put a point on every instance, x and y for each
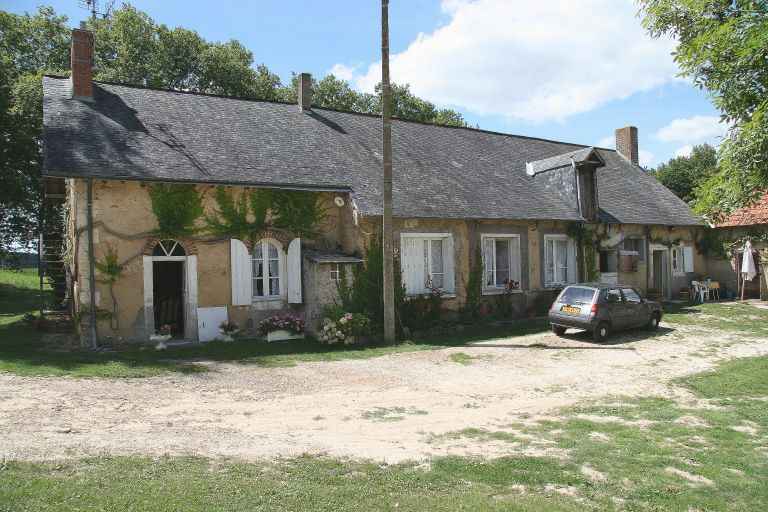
(168, 295)
(659, 283)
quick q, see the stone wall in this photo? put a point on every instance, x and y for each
(124, 221)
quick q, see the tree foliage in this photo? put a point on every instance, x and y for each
(723, 48)
(684, 174)
(131, 48)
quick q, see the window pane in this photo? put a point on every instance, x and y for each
(561, 258)
(502, 262)
(437, 256)
(258, 268)
(258, 287)
(549, 272)
(577, 295)
(437, 280)
(272, 250)
(608, 261)
(274, 268)
(257, 250)
(274, 286)
(488, 264)
(631, 295)
(613, 295)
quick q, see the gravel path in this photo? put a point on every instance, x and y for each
(385, 408)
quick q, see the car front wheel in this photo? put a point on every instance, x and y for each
(653, 323)
(601, 332)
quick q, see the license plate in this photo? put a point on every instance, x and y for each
(571, 310)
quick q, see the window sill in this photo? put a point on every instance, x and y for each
(266, 299)
(500, 291)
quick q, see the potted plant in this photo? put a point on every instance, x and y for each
(228, 330)
(161, 336)
(282, 326)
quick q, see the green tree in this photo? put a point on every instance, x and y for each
(683, 174)
(723, 48)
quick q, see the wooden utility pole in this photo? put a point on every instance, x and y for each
(386, 105)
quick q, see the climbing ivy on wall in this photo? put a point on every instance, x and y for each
(297, 212)
(589, 239)
(176, 208)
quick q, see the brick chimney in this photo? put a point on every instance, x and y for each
(626, 143)
(305, 92)
(82, 64)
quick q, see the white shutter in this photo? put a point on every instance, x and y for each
(449, 279)
(242, 273)
(190, 299)
(149, 310)
(573, 275)
(293, 272)
(412, 264)
(688, 259)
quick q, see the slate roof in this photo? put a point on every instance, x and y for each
(752, 215)
(134, 133)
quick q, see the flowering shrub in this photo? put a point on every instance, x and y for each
(282, 322)
(228, 327)
(344, 329)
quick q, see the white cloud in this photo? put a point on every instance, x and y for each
(537, 61)
(692, 130)
(609, 141)
(343, 72)
(646, 158)
(684, 151)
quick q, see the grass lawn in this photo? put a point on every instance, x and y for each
(725, 316)
(626, 454)
(22, 352)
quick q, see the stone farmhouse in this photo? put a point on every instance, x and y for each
(536, 214)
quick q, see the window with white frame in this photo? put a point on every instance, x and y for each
(559, 260)
(266, 269)
(426, 261)
(501, 262)
(682, 259)
(336, 273)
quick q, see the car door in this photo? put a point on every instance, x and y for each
(614, 302)
(636, 311)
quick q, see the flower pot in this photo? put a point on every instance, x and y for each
(282, 335)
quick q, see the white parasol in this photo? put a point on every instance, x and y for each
(748, 270)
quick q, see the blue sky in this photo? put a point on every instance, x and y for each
(571, 70)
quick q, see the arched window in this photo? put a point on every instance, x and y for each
(266, 269)
(168, 248)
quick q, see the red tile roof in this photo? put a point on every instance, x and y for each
(756, 213)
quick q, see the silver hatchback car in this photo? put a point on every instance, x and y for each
(601, 309)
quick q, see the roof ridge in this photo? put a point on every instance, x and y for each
(329, 109)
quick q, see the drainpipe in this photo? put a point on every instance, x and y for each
(91, 263)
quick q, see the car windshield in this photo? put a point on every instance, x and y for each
(577, 295)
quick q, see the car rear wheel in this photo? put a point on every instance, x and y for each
(653, 323)
(558, 330)
(601, 332)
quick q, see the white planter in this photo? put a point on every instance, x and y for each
(283, 336)
(160, 339)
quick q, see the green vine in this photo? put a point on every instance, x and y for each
(474, 287)
(589, 239)
(243, 217)
(111, 270)
(176, 208)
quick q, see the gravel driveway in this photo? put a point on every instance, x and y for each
(386, 408)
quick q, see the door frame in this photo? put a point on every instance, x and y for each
(190, 294)
(666, 270)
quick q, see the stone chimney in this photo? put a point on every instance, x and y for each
(626, 144)
(305, 92)
(82, 64)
